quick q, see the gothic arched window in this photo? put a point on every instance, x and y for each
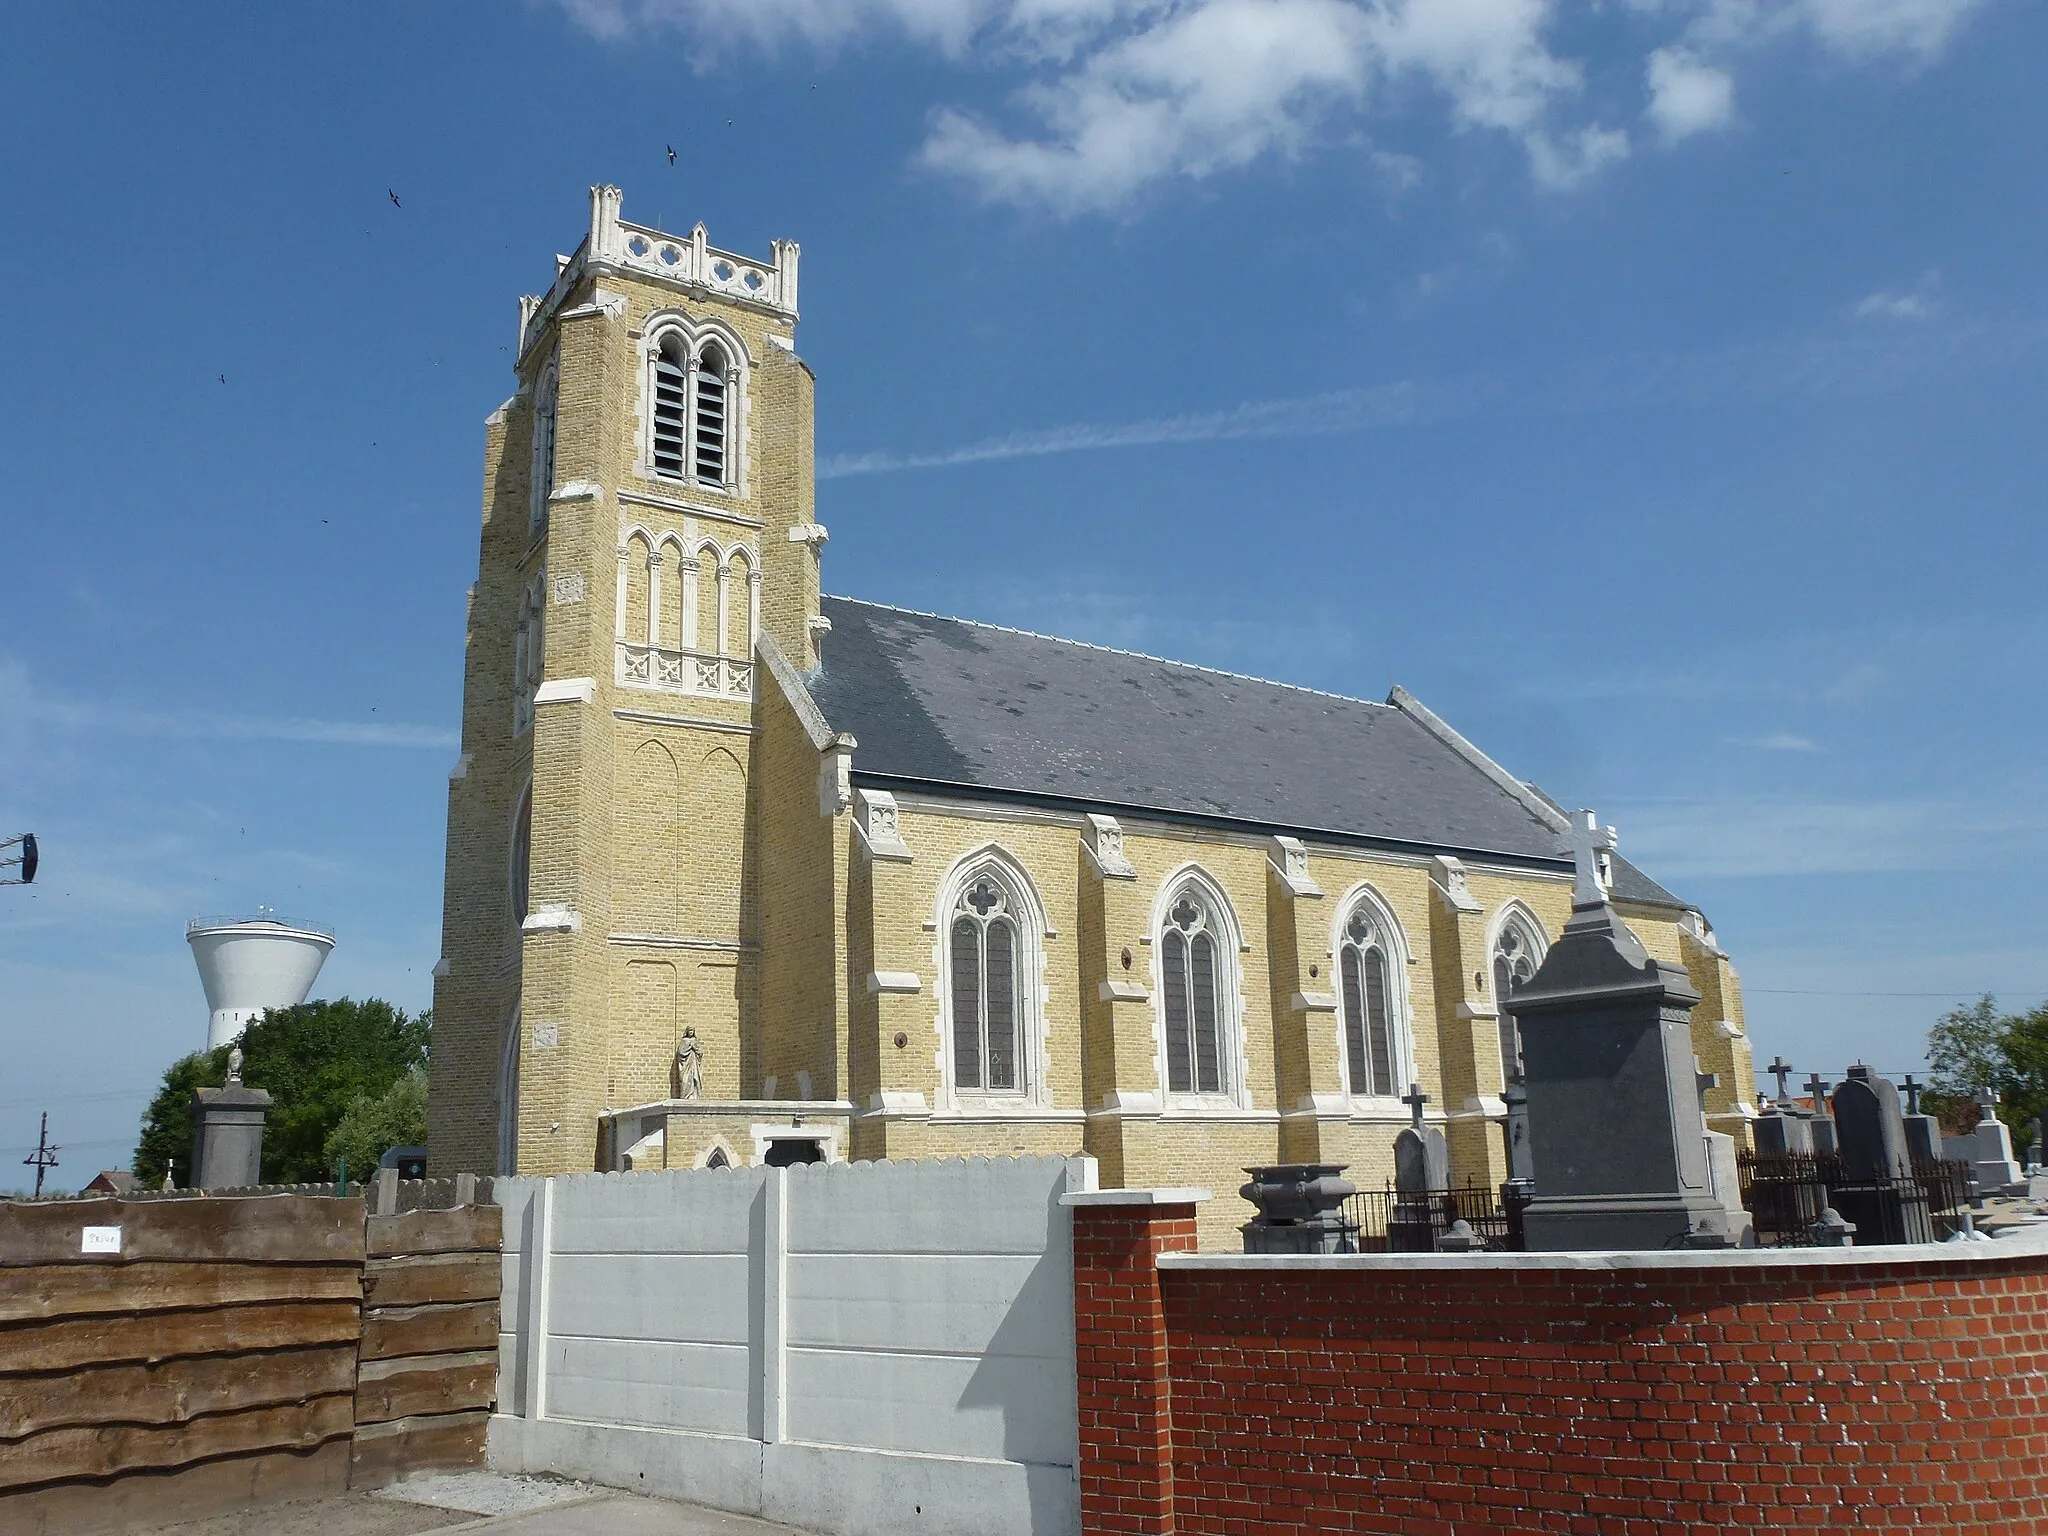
(708, 456)
(669, 388)
(1366, 976)
(986, 991)
(519, 872)
(1517, 952)
(544, 395)
(1194, 971)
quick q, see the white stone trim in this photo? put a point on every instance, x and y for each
(688, 722)
(797, 693)
(813, 534)
(898, 1103)
(1288, 859)
(577, 490)
(552, 917)
(835, 776)
(1135, 1197)
(1313, 1002)
(875, 820)
(1116, 990)
(631, 497)
(442, 970)
(1448, 876)
(1103, 840)
(566, 690)
(903, 983)
(826, 1134)
(461, 769)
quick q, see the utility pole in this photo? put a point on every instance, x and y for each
(44, 1157)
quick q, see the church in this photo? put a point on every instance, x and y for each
(739, 872)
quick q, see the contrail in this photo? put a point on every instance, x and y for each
(1862, 363)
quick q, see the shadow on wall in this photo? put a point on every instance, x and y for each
(1026, 1373)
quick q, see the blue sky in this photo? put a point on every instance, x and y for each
(1646, 384)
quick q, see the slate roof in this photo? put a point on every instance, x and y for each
(949, 703)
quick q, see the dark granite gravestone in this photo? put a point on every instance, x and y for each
(1923, 1132)
(1615, 1129)
(1521, 1170)
(1778, 1134)
(1877, 1192)
(227, 1136)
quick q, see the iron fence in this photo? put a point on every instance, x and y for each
(1411, 1221)
(1786, 1194)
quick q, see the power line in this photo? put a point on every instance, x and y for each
(1827, 992)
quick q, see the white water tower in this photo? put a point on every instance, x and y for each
(251, 964)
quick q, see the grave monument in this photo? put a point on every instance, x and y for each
(1615, 1130)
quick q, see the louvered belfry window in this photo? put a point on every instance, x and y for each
(984, 990)
(671, 408)
(708, 463)
(1190, 962)
(1368, 1023)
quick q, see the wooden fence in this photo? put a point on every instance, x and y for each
(171, 1358)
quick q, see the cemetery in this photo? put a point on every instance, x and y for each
(1645, 1326)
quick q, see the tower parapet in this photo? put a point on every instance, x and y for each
(688, 263)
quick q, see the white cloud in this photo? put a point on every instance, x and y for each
(1686, 96)
(1120, 95)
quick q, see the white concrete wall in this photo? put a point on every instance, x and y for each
(863, 1349)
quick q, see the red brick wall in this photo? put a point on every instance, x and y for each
(1871, 1395)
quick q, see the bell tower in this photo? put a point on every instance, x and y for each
(648, 539)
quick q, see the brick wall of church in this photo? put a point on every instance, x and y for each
(1550, 1393)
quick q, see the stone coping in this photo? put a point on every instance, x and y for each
(2024, 1243)
(1135, 1197)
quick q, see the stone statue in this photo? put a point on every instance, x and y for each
(689, 1069)
(235, 1065)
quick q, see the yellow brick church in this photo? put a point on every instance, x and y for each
(739, 872)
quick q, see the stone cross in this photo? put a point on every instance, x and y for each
(1415, 1098)
(1912, 1094)
(1781, 1069)
(1819, 1090)
(1589, 841)
(1987, 1102)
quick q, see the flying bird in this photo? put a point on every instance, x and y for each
(671, 154)
(223, 378)
(394, 198)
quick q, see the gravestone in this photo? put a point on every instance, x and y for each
(1781, 1069)
(1988, 1148)
(1615, 1129)
(1781, 1134)
(1422, 1168)
(1923, 1132)
(2033, 1145)
(1877, 1193)
(1822, 1126)
(227, 1133)
(1521, 1170)
(1723, 1168)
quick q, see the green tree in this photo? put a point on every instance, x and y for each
(1977, 1044)
(315, 1061)
(375, 1123)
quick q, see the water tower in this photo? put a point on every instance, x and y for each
(251, 964)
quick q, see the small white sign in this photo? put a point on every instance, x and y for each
(546, 1037)
(100, 1240)
(569, 589)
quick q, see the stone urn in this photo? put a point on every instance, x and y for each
(1300, 1208)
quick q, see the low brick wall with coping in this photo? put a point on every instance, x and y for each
(1896, 1388)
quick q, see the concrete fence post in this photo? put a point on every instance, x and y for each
(775, 1308)
(534, 1325)
(1120, 1364)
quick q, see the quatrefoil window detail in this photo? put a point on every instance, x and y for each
(987, 1001)
(1191, 967)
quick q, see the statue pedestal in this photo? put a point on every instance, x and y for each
(227, 1139)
